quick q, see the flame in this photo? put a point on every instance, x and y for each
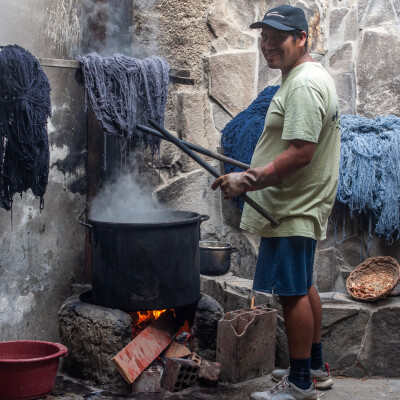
(142, 319)
(184, 328)
(144, 315)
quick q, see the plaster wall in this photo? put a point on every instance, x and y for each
(41, 254)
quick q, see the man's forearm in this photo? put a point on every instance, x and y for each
(298, 155)
(261, 177)
(295, 157)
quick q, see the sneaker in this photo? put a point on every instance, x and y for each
(321, 377)
(286, 390)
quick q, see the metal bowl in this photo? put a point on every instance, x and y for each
(215, 257)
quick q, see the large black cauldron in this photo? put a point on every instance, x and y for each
(146, 265)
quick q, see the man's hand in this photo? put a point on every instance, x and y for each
(233, 184)
(236, 183)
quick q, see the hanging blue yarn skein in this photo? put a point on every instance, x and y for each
(240, 136)
(125, 91)
(24, 109)
(369, 175)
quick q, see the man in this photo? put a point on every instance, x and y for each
(293, 174)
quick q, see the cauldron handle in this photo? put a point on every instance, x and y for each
(204, 217)
(86, 224)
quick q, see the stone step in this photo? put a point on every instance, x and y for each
(360, 339)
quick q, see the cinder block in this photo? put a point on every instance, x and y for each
(179, 374)
(148, 381)
(246, 343)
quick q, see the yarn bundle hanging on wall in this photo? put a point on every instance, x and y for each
(124, 92)
(24, 109)
(369, 176)
(240, 136)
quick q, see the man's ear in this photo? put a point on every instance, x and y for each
(302, 38)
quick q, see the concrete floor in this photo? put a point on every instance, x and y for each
(343, 389)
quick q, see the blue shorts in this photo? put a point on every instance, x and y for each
(285, 265)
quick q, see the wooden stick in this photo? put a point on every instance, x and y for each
(175, 75)
(212, 171)
(198, 149)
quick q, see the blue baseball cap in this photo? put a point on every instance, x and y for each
(284, 18)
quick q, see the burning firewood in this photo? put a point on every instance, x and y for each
(177, 350)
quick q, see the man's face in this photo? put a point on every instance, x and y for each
(280, 49)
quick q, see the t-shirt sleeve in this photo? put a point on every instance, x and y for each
(304, 113)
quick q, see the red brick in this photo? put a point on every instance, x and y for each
(179, 374)
(145, 348)
(196, 358)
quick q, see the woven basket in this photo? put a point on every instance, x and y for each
(369, 281)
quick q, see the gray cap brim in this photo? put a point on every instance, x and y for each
(273, 24)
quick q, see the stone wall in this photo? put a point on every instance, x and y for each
(356, 41)
(41, 254)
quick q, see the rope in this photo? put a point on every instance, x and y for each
(24, 109)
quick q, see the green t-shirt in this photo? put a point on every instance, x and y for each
(305, 107)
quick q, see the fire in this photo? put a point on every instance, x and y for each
(142, 319)
(145, 315)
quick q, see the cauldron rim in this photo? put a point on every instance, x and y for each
(185, 217)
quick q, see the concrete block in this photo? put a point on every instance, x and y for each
(148, 381)
(246, 343)
(209, 371)
(179, 374)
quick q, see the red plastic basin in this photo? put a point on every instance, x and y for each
(28, 368)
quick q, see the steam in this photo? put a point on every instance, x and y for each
(19, 23)
(145, 20)
(67, 28)
(126, 200)
(109, 23)
(113, 25)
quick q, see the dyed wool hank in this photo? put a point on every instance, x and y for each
(24, 109)
(240, 136)
(124, 92)
(369, 175)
